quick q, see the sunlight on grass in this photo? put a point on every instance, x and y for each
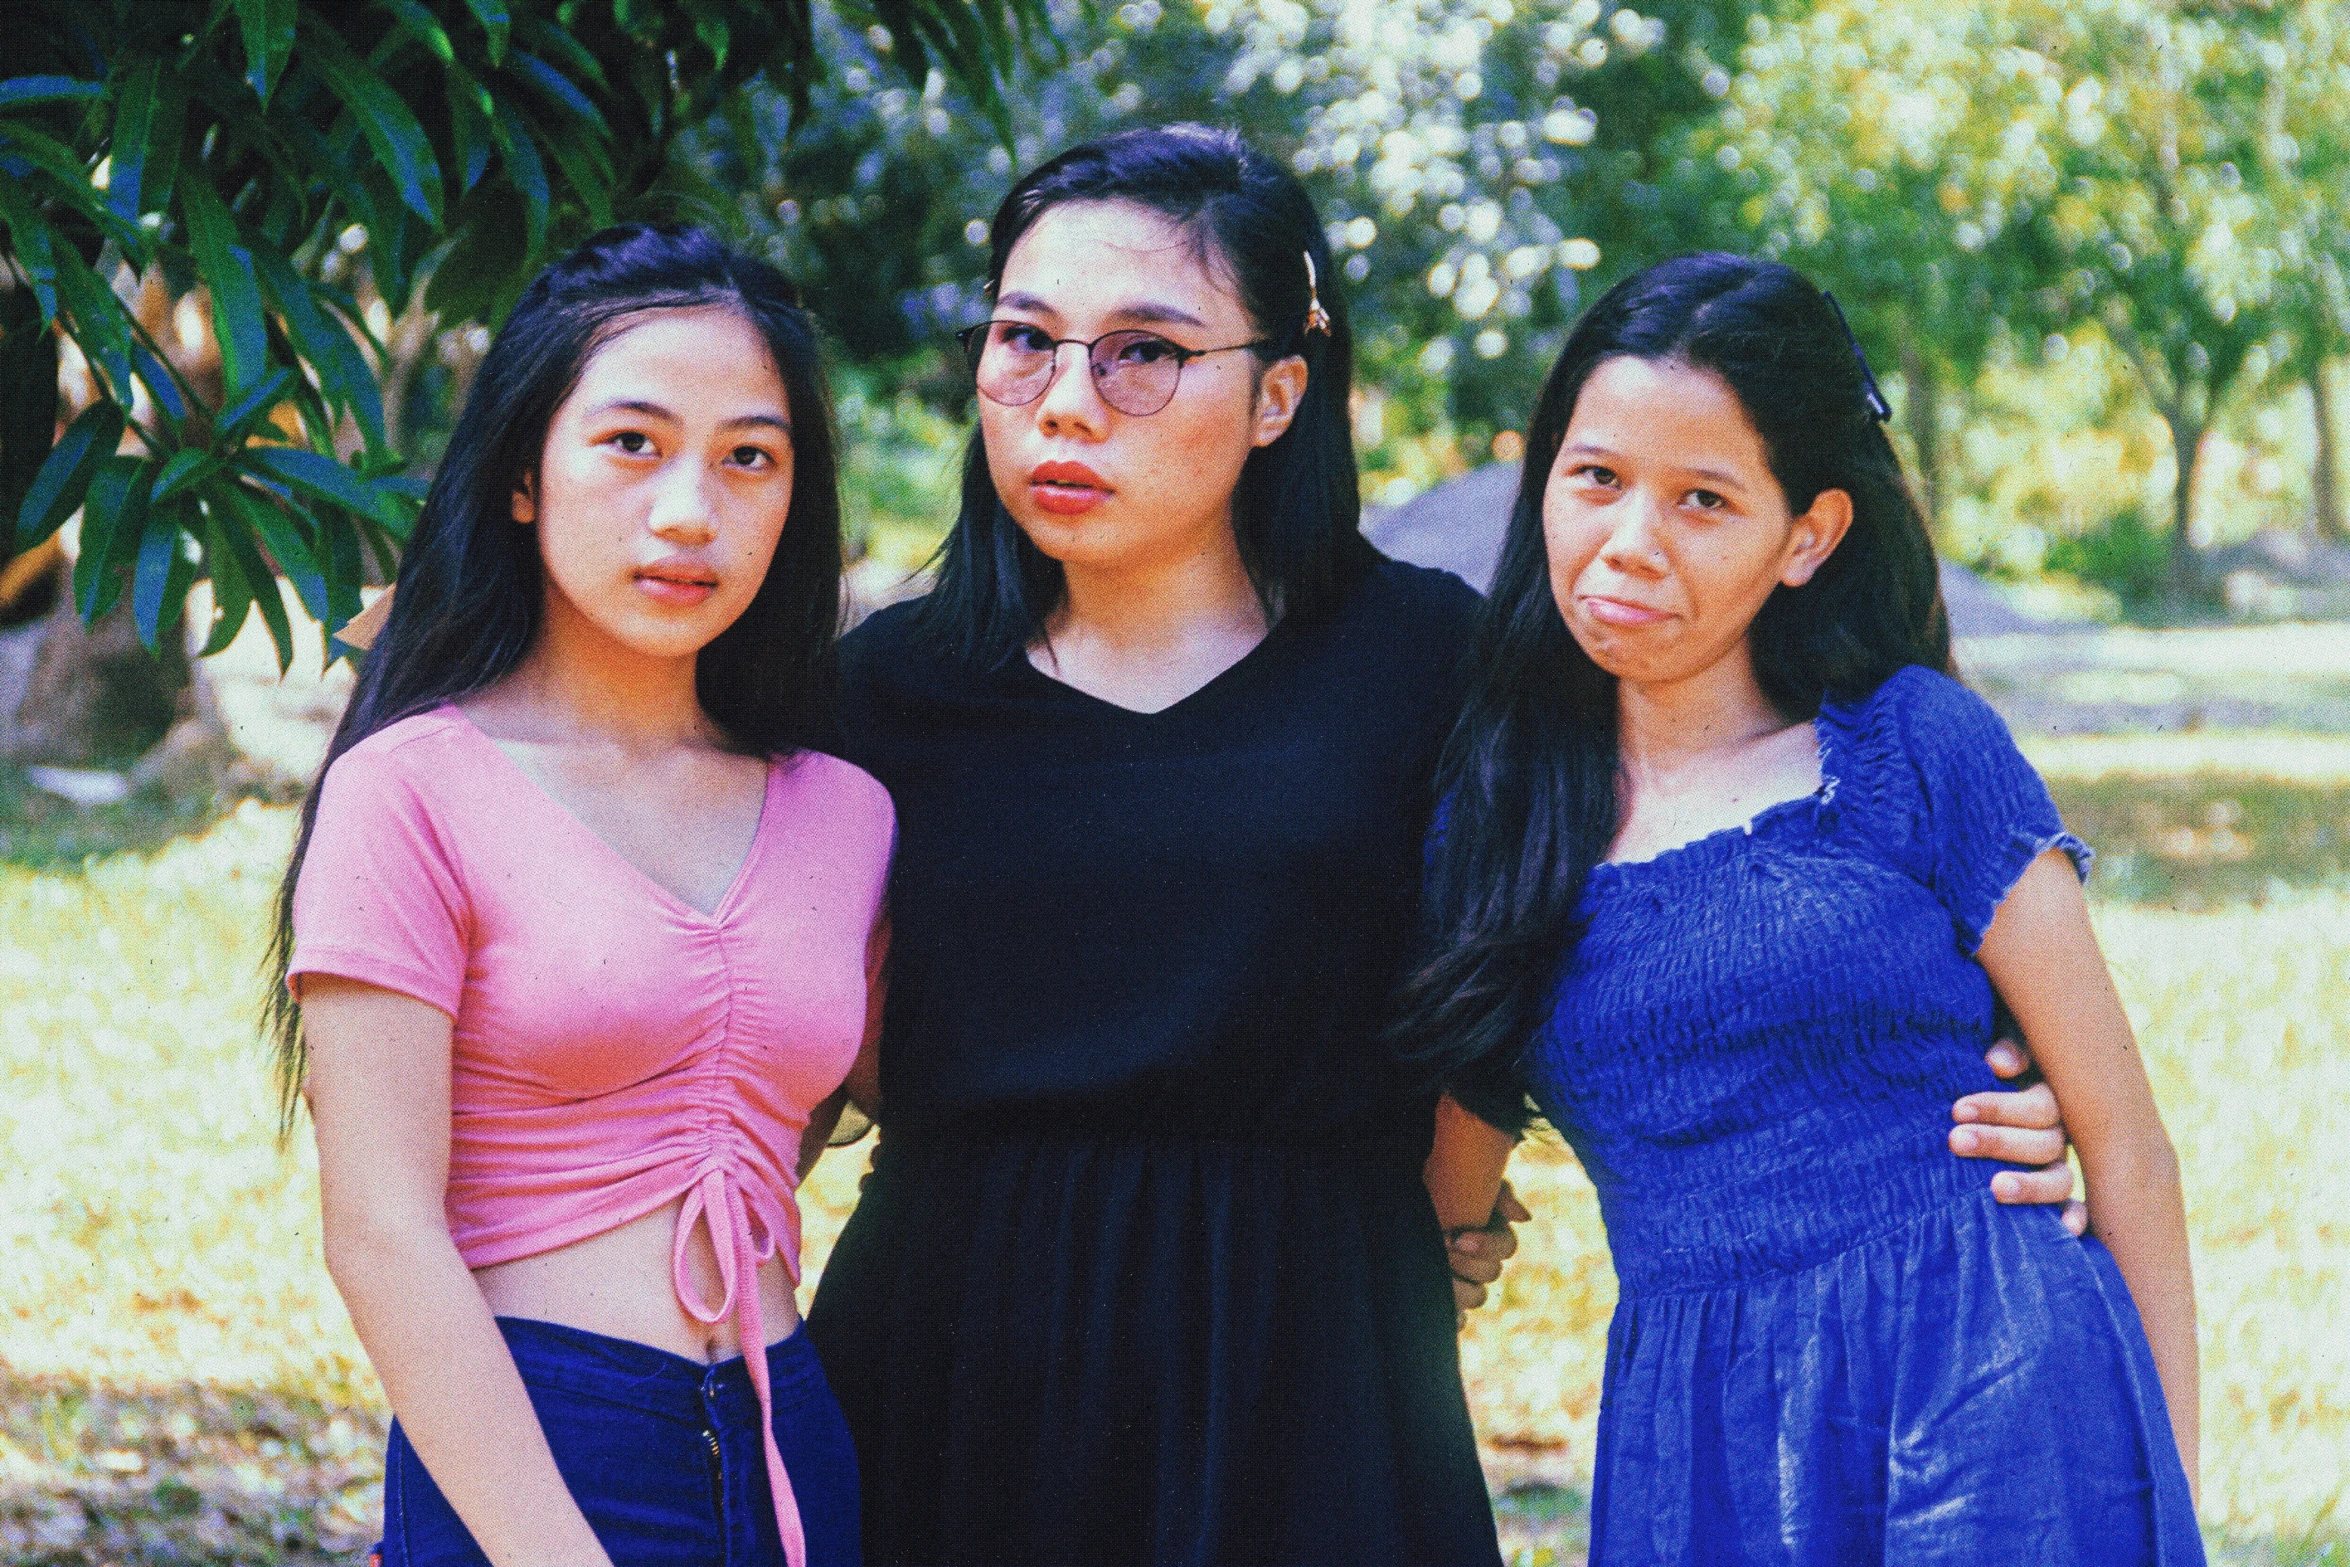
(172, 1347)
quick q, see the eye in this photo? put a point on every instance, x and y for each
(1593, 473)
(755, 458)
(1144, 349)
(634, 442)
(1707, 500)
(1021, 339)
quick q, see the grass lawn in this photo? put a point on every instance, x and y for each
(178, 1381)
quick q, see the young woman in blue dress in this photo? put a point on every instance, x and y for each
(1728, 876)
(1145, 1270)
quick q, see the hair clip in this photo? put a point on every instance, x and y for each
(1317, 319)
(1878, 407)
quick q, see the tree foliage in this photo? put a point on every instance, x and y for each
(232, 146)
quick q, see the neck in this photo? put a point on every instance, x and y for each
(582, 681)
(1663, 724)
(1163, 602)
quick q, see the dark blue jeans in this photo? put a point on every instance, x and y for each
(662, 1454)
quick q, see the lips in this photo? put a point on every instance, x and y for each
(1067, 488)
(679, 584)
(1619, 612)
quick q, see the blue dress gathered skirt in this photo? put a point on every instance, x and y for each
(1832, 1345)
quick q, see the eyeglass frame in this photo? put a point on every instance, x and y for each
(1183, 357)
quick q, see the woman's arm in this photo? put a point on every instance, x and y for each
(2043, 956)
(1465, 1166)
(862, 1087)
(379, 1103)
(2019, 1126)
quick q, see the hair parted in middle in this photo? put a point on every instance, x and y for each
(1297, 511)
(1528, 778)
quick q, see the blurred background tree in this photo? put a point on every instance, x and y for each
(2097, 251)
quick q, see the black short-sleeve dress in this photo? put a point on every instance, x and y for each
(1144, 1271)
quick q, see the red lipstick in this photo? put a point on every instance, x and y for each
(1067, 488)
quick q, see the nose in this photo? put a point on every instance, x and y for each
(683, 512)
(1071, 404)
(1631, 545)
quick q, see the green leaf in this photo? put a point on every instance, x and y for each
(232, 530)
(227, 270)
(320, 478)
(30, 244)
(469, 128)
(111, 532)
(151, 574)
(97, 319)
(488, 254)
(496, 22)
(66, 474)
(528, 173)
(418, 23)
(343, 569)
(268, 26)
(184, 469)
(69, 174)
(553, 40)
(24, 91)
(561, 91)
(399, 142)
(283, 537)
(150, 112)
(324, 344)
(232, 594)
(710, 28)
(159, 381)
(239, 422)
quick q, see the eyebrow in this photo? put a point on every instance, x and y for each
(1135, 310)
(1714, 475)
(652, 410)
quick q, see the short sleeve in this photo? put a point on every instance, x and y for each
(1985, 815)
(379, 899)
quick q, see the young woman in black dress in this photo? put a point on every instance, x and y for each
(1145, 1270)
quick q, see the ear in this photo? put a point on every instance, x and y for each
(1815, 535)
(1279, 390)
(526, 499)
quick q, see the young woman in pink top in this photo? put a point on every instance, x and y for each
(578, 930)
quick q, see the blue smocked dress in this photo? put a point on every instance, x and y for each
(1833, 1346)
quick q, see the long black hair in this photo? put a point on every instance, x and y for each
(1529, 775)
(1297, 511)
(470, 594)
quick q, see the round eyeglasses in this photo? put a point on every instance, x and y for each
(1012, 362)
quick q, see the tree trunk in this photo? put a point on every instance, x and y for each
(79, 696)
(2326, 472)
(2186, 439)
(1925, 425)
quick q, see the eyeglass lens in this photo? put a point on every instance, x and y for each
(1135, 372)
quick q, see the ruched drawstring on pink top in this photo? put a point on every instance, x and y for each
(613, 1048)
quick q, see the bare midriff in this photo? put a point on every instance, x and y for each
(620, 1284)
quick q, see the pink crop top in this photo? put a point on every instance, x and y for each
(613, 1048)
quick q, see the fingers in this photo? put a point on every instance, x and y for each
(2007, 1060)
(2027, 1187)
(2033, 1107)
(2076, 1217)
(1466, 1297)
(1508, 1208)
(2011, 1144)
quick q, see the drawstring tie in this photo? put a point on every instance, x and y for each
(743, 1235)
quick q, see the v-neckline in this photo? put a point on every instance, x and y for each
(717, 914)
(1223, 677)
